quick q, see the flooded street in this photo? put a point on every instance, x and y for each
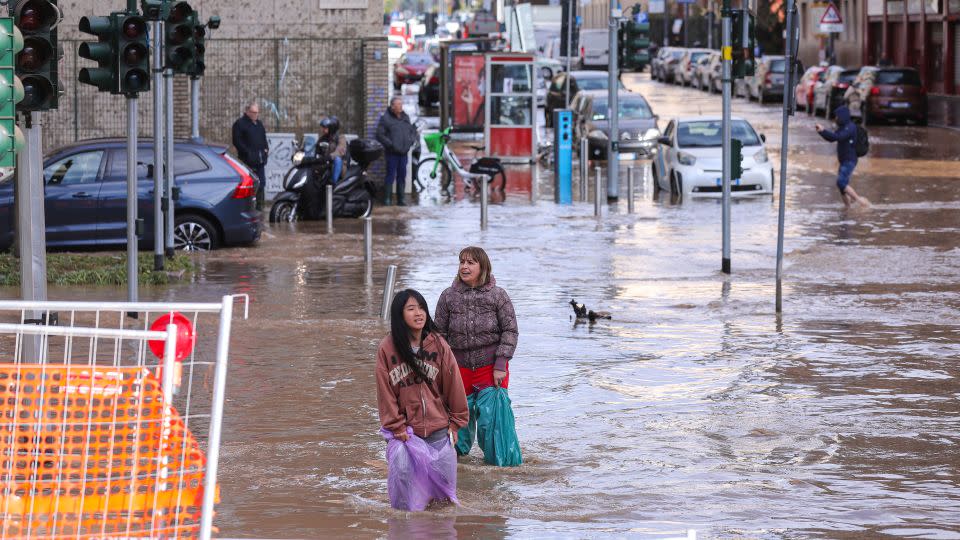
(694, 408)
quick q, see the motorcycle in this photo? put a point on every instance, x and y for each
(304, 185)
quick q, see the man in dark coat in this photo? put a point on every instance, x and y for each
(250, 140)
(845, 136)
(397, 135)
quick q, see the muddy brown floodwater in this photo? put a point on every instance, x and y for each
(694, 408)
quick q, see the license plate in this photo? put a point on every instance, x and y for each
(899, 105)
(735, 182)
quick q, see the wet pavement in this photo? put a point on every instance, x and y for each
(694, 408)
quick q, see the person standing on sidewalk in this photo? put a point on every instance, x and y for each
(397, 135)
(845, 136)
(250, 140)
(479, 322)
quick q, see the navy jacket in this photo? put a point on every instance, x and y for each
(396, 133)
(845, 135)
(250, 140)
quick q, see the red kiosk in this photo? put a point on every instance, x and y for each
(510, 106)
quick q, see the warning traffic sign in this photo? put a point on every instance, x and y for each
(830, 22)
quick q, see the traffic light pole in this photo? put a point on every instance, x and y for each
(158, 226)
(613, 108)
(31, 225)
(132, 274)
(195, 109)
(168, 159)
(727, 73)
(787, 111)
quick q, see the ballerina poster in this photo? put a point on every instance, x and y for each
(468, 91)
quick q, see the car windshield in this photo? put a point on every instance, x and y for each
(778, 66)
(900, 76)
(596, 83)
(676, 54)
(848, 76)
(708, 133)
(630, 109)
(421, 59)
(694, 57)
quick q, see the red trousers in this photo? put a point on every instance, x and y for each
(480, 378)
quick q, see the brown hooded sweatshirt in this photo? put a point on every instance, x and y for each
(406, 400)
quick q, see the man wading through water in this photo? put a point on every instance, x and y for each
(845, 136)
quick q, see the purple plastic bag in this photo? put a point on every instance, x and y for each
(420, 472)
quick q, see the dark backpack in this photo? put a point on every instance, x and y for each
(861, 143)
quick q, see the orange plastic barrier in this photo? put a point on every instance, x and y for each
(90, 451)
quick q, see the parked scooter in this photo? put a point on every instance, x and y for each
(305, 184)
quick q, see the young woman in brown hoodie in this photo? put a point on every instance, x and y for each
(477, 318)
(418, 383)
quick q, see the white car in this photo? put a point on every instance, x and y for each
(396, 46)
(689, 156)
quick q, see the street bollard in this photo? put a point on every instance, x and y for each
(584, 168)
(368, 240)
(596, 194)
(388, 286)
(484, 201)
(630, 189)
(329, 209)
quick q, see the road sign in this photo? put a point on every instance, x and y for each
(830, 22)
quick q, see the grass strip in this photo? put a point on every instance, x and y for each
(96, 269)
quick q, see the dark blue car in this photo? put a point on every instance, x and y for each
(86, 197)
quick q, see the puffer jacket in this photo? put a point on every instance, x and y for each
(396, 133)
(845, 136)
(479, 324)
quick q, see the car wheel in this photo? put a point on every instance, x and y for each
(675, 186)
(194, 233)
(283, 211)
(656, 179)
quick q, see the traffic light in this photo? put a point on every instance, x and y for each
(134, 58)
(103, 52)
(179, 42)
(11, 92)
(200, 46)
(736, 159)
(634, 40)
(36, 64)
(743, 42)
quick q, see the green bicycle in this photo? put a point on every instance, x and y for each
(438, 162)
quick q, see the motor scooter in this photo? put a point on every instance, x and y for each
(304, 185)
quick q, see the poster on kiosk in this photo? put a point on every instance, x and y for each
(510, 107)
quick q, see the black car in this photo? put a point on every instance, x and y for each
(429, 93)
(579, 80)
(85, 186)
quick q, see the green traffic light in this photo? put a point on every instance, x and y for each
(11, 142)
(11, 41)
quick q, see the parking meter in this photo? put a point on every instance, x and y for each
(563, 156)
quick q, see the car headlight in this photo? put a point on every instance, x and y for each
(685, 158)
(624, 135)
(597, 134)
(760, 156)
(297, 157)
(650, 135)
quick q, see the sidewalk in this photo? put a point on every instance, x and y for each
(944, 110)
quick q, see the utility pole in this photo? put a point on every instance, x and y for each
(168, 159)
(158, 226)
(793, 40)
(613, 106)
(727, 79)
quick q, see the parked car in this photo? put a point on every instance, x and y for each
(396, 46)
(85, 187)
(828, 94)
(803, 92)
(892, 93)
(661, 67)
(713, 73)
(579, 80)
(768, 77)
(595, 45)
(410, 68)
(552, 50)
(683, 68)
(689, 157)
(702, 72)
(429, 93)
(636, 123)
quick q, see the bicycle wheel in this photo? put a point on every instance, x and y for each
(424, 174)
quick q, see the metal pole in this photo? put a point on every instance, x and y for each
(368, 240)
(596, 194)
(726, 64)
(132, 273)
(666, 25)
(630, 189)
(195, 109)
(584, 167)
(484, 202)
(710, 16)
(388, 287)
(31, 228)
(216, 418)
(571, 20)
(781, 214)
(168, 206)
(158, 222)
(329, 209)
(613, 108)
(686, 18)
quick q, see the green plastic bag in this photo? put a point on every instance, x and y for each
(492, 417)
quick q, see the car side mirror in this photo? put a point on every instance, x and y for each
(665, 141)
(763, 138)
